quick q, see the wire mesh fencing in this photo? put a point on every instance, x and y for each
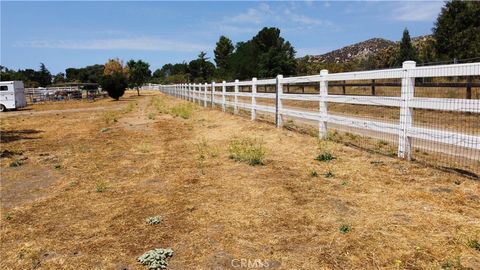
(429, 114)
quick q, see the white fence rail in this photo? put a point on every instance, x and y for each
(216, 94)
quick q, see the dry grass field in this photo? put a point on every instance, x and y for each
(77, 185)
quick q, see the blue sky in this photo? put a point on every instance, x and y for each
(76, 34)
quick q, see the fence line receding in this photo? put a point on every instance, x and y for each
(430, 113)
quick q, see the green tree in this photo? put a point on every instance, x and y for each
(223, 51)
(266, 55)
(115, 78)
(201, 70)
(43, 76)
(138, 73)
(407, 51)
(59, 78)
(457, 30)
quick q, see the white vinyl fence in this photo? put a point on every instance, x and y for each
(217, 94)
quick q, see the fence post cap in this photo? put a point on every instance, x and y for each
(254, 78)
(224, 82)
(409, 64)
(236, 80)
(323, 72)
(279, 76)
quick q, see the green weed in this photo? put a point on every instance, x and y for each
(247, 150)
(325, 156)
(345, 228)
(184, 110)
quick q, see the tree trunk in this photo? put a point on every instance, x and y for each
(138, 91)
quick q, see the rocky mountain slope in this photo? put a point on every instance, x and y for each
(361, 50)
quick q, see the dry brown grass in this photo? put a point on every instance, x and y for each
(400, 215)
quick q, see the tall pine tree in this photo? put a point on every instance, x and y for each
(407, 51)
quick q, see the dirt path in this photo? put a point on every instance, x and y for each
(218, 213)
(40, 113)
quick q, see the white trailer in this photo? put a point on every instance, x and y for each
(12, 95)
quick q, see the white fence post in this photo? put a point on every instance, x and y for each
(189, 91)
(235, 98)
(224, 103)
(322, 128)
(212, 102)
(194, 97)
(254, 99)
(205, 96)
(279, 105)
(406, 112)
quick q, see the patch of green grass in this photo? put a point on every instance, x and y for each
(344, 183)
(249, 150)
(454, 264)
(58, 167)
(328, 174)
(16, 163)
(345, 228)
(473, 243)
(151, 116)
(110, 117)
(325, 156)
(101, 186)
(159, 105)
(313, 173)
(8, 216)
(184, 110)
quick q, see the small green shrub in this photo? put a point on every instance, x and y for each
(313, 173)
(151, 116)
(101, 187)
(184, 110)
(154, 220)
(325, 156)
(16, 163)
(328, 174)
(156, 259)
(474, 243)
(345, 228)
(247, 150)
(58, 167)
(103, 130)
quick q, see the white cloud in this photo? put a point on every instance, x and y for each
(265, 13)
(302, 19)
(141, 43)
(415, 11)
(252, 15)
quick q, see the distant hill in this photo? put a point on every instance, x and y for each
(362, 50)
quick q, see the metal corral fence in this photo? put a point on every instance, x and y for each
(36, 95)
(430, 114)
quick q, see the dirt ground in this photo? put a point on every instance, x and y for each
(77, 186)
